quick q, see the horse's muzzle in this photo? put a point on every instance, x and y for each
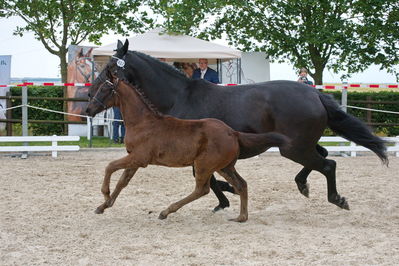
(90, 110)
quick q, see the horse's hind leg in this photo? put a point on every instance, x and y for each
(202, 188)
(240, 185)
(217, 189)
(313, 160)
(301, 177)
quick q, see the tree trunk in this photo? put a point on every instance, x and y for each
(64, 75)
(63, 64)
(318, 75)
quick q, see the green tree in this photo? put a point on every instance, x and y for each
(313, 34)
(60, 23)
(379, 30)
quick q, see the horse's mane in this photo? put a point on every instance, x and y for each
(144, 98)
(164, 67)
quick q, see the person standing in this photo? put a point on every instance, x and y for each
(116, 125)
(205, 72)
(303, 76)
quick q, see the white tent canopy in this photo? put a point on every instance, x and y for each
(172, 47)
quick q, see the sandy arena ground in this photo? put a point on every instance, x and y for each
(47, 215)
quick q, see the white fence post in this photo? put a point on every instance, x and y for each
(353, 153)
(54, 144)
(397, 146)
(344, 96)
(25, 118)
(88, 128)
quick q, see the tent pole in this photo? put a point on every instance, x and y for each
(219, 68)
(238, 70)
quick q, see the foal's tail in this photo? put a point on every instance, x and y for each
(352, 128)
(254, 144)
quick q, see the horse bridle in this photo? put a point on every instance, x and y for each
(120, 63)
(113, 92)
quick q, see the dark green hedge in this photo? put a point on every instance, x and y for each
(376, 117)
(35, 114)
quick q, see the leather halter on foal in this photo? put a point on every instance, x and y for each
(120, 63)
(111, 85)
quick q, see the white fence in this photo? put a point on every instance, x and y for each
(54, 148)
(352, 148)
(342, 146)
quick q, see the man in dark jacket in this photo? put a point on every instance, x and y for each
(204, 72)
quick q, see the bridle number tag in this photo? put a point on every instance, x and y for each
(120, 63)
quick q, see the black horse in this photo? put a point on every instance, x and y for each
(291, 108)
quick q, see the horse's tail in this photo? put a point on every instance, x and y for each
(352, 128)
(253, 144)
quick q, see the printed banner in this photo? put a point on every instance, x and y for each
(5, 78)
(81, 69)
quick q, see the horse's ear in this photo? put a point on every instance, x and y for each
(80, 54)
(119, 45)
(122, 49)
(125, 47)
(88, 53)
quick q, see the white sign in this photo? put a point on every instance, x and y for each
(5, 78)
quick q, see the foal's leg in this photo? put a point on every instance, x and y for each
(240, 185)
(122, 183)
(301, 177)
(217, 188)
(201, 188)
(111, 168)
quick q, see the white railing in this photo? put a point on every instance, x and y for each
(352, 147)
(54, 148)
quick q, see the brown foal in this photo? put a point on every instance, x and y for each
(208, 145)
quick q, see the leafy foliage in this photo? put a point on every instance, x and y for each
(58, 24)
(332, 34)
(35, 114)
(379, 31)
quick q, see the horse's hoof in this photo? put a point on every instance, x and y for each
(217, 208)
(304, 189)
(162, 216)
(339, 201)
(99, 211)
(239, 219)
(344, 205)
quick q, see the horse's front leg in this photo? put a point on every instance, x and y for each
(124, 162)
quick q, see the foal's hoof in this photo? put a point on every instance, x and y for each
(162, 216)
(239, 219)
(339, 201)
(99, 211)
(304, 189)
